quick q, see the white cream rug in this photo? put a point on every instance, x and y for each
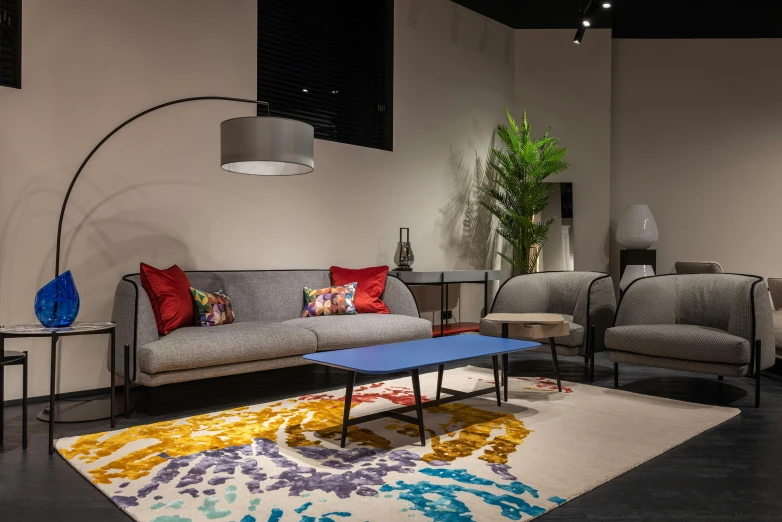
(281, 461)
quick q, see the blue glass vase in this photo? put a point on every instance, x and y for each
(57, 303)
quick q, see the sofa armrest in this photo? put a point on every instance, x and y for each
(135, 321)
(650, 300)
(398, 298)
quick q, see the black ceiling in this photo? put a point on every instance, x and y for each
(644, 18)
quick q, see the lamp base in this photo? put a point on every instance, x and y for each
(83, 411)
(403, 269)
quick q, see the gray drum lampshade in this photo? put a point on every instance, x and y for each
(267, 146)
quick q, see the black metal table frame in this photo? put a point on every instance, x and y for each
(418, 420)
(443, 284)
(55, 336)
(14, 359)
(552, 344)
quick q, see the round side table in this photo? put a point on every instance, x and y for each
(535, 327)
(9, 358)
(38, 331)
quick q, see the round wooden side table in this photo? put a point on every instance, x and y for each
(535, 327)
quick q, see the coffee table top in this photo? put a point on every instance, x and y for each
(409, 355)
(526, 318)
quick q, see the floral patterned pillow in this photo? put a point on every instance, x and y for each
(335, 300)
(212, 309)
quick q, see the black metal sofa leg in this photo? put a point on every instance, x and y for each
(757, 373)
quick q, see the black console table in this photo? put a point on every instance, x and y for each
(443, 279)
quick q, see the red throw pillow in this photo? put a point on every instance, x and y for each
(169, 293)
(371, 283)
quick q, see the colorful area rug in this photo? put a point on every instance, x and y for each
(281, 461)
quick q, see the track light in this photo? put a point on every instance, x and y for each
(579, 35)
(586, 23)
(606, 5)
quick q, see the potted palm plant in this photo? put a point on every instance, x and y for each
(518, 191)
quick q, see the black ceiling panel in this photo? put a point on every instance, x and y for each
(644, 18)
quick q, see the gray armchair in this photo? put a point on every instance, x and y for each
(717, 324)
(585, 299)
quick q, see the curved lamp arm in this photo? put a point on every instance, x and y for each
(112, 133)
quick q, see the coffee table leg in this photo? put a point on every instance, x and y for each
(440, 370)
(505, 374)
(495, 363)
(348, 401)
(419, 410)
(504, 358)
(553, 345)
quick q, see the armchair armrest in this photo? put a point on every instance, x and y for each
(775, 289)
(601, 308)
(751, 317)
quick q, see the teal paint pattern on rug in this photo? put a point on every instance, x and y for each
(281, 461)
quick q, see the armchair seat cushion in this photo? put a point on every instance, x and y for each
(335, 332)
(199, 347)
(679, 341)
(574, 339)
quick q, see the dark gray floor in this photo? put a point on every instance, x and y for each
(732, 472)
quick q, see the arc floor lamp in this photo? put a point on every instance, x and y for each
(254, 145)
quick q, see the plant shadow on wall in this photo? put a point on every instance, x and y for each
(503, 197)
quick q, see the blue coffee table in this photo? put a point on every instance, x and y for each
(410, 356)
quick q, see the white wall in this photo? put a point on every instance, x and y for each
(696, 132)
(155, 192)
(568, 87)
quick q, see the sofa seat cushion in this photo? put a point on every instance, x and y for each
(573, 339)
(199, 347)
(679, 341)
(335, 332)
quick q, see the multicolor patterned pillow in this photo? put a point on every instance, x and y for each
(212, 309)
(335, 300)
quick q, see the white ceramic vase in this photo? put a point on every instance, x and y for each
(637, 229)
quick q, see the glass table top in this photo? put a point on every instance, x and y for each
(38, 329)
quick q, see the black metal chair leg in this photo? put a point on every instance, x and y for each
(24, 402)
(757, 373)
(346, 411)
(419, 410)
(495, 363)
(440, 370)
(719, 377)
(592, 354)
(616, 375)
(553, 346)
(112, 382)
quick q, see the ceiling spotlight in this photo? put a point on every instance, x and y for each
(305, 90)
(586, 23)
(606, 5)
(579, 35)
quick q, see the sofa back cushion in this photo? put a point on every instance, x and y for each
(272, 295)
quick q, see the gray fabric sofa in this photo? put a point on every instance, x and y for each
(268, 333)
(705, 323)
(585, 299)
